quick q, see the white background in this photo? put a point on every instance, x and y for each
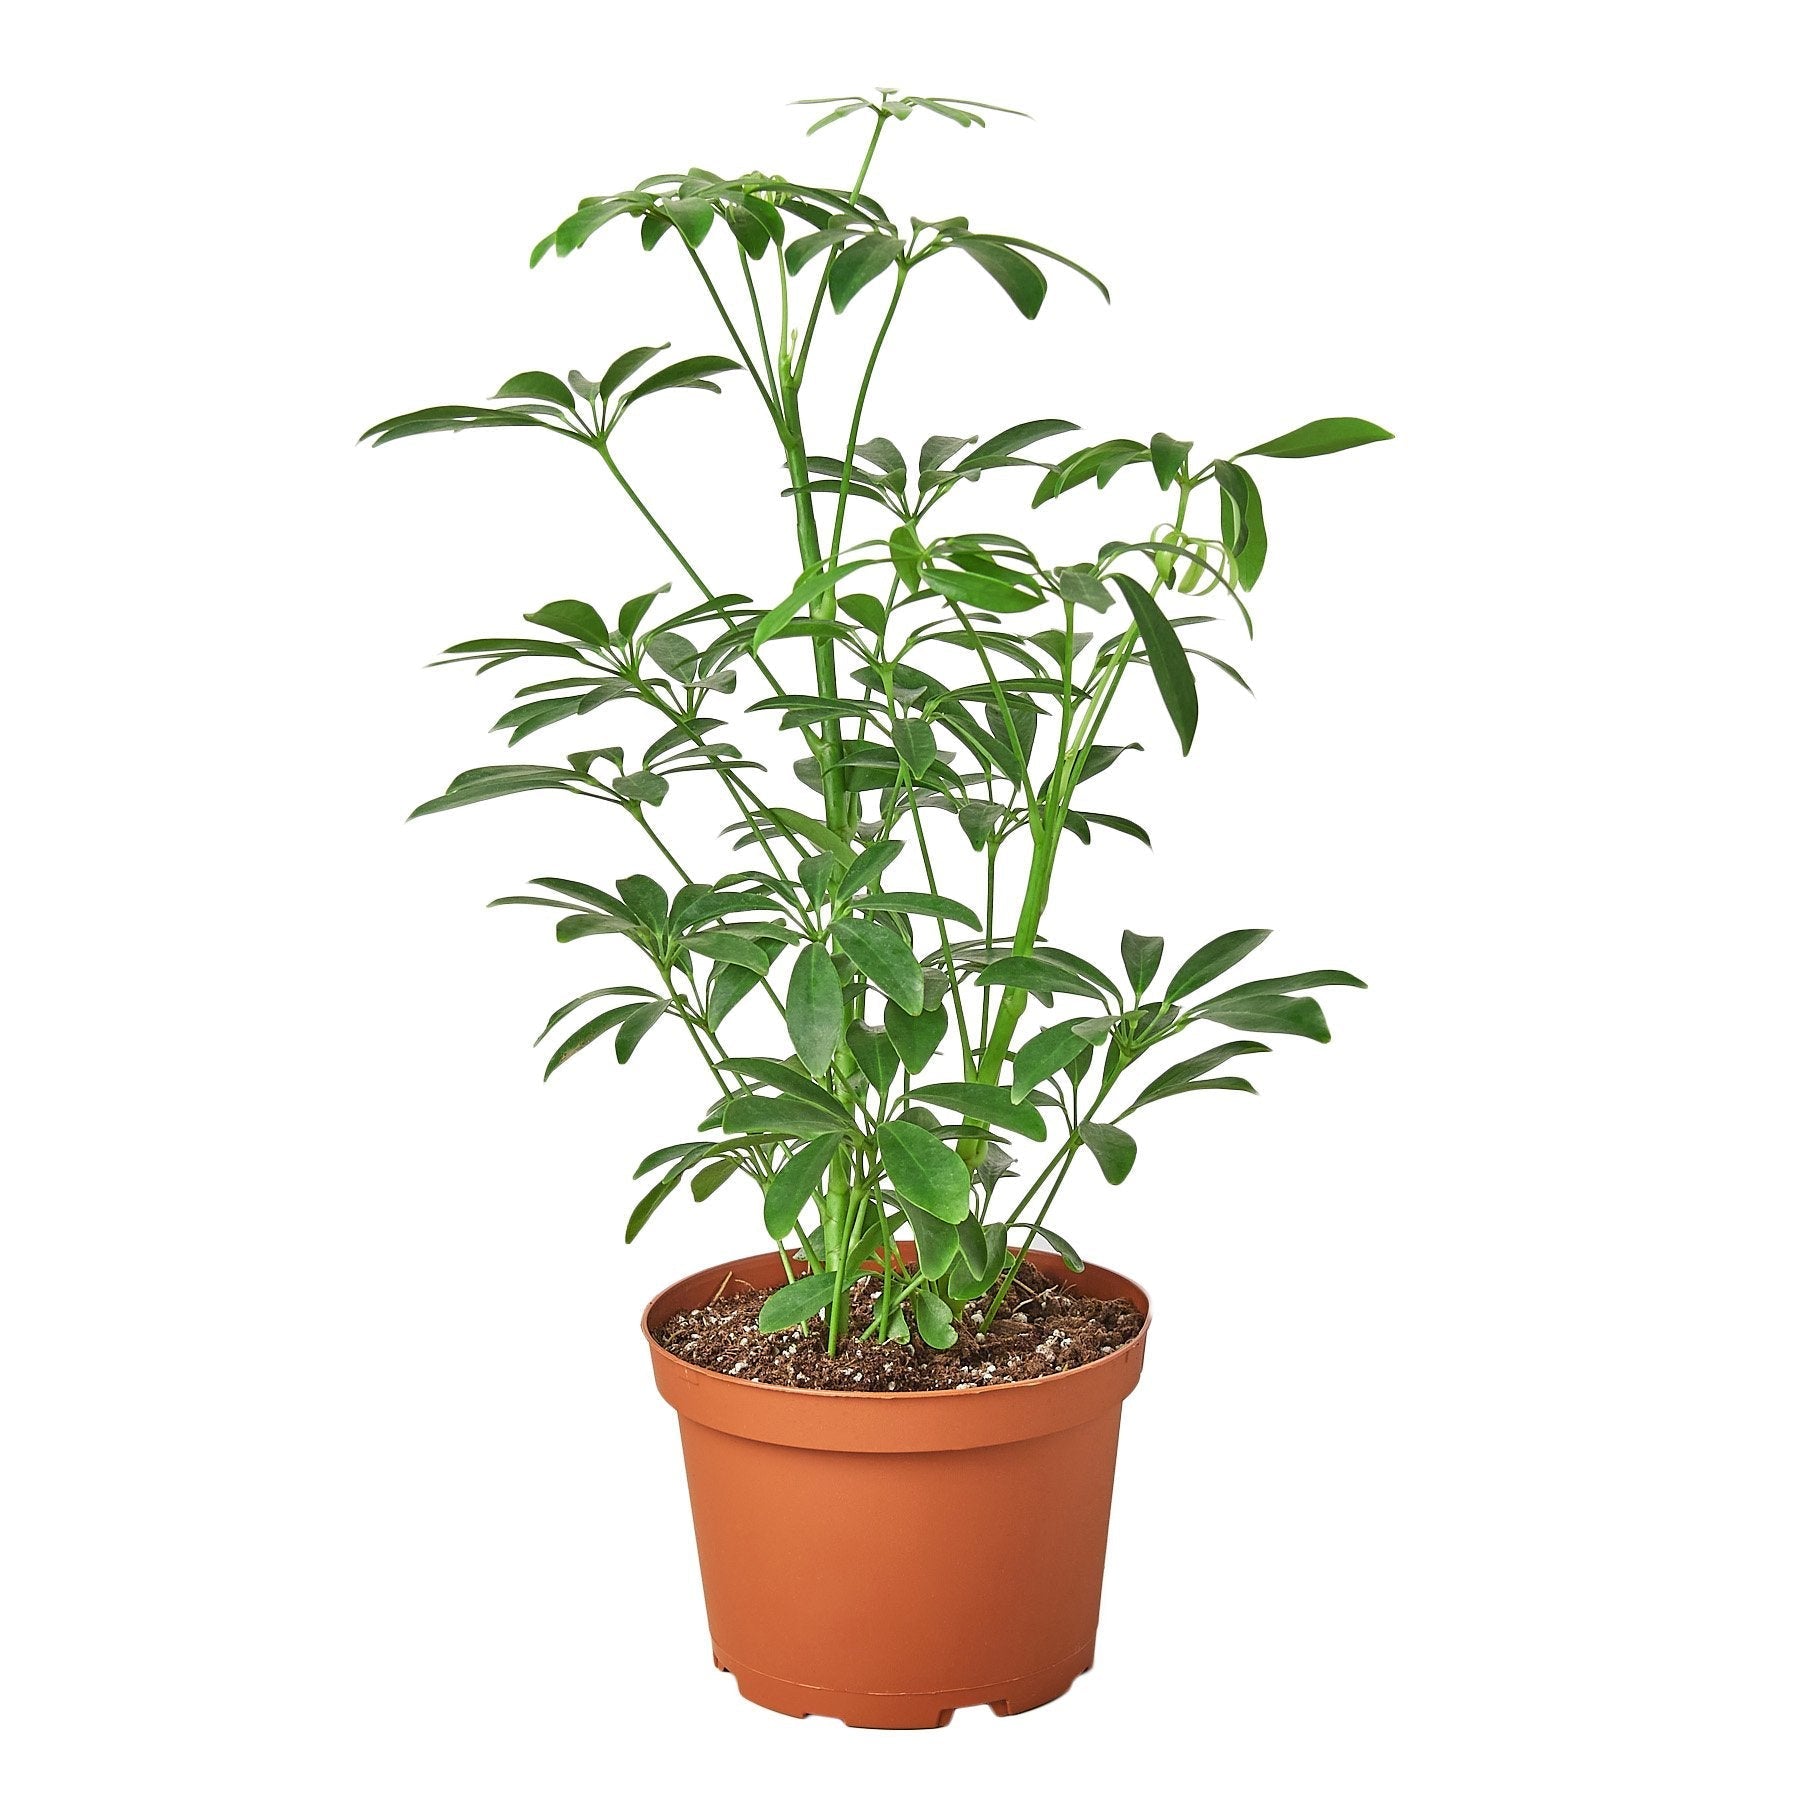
(1465, 1459)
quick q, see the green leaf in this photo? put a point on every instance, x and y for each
(640, 1214)
(883, 956)
(832, 117)
(1323, 437)
(807, 589)
(794, 1183)
(1036, 976)
(631, 614)
(1212, 960)
(1141, 957)
(866, 610)
(779, 1116)
(646, 900)
(580, 925)
(815, 1008)
(644, 787)
(1287, 984)
(1114, 1150)
(727, 947)
(595, 1029)
(858, 263)
(786, 1079)
(883, 454)
(1241, 519)
(637, 1027)
(670, 651)
(1041, 1057)
(1084, 588)
(1168, 661)
(935, 1241)
(1022, 279)
(1294, 1014)
(936, 1325)
(988, 592)
(983, 1250)
(916, 746)
(493, 788)
(1098, 463)
(930, 906)
(452, 418)
(875, 1055)
(1112, 822)
(1077, 965)
(868, 866)
(569, 1006)
(622, 368)
(1168, 456)
(1183, 1075)
(536, 384)
(713, 1177)
(691, 217)
(978, 819)
(690, 371)
(916, 1039)
(925, 1170)
(796, 1303)
(573, 618)
(976, 1100)
(729, 985)
(1006, 444)
(814, 833)
(1062, 1247)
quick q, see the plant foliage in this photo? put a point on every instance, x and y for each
(918, 1060)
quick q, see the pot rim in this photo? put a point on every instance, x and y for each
(663, 1356)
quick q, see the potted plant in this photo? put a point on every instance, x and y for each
(896, 1059)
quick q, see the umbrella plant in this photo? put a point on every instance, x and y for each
(892, 1044)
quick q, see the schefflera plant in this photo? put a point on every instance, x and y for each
(951, 719)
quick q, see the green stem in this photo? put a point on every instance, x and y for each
(856, 415)
(1017, 1261)
(831, 256)
(743, 349)
(637, 812)
(674, 549)
(756, 312)
(1047, 835)
(846, 1276)
(956, 999)
(830, 749)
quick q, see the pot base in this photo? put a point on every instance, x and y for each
(905, 1712)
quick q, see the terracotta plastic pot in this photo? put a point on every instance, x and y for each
(886, 1558)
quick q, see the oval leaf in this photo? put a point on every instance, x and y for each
(975, 1100)
(936, 1325)
(815, 1008)
(794, 1184)
(934, 1240)
(925, 1170)
(1322, 437)
(1114, 1150)
(916, 1038)
(1294, 1014)
(858, 264)
(884, 957)
(1212, 960)
(1022, 279)
(796, 1303)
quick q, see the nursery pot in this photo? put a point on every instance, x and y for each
(886, 1558)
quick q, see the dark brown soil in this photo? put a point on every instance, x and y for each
(1044, 1329)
